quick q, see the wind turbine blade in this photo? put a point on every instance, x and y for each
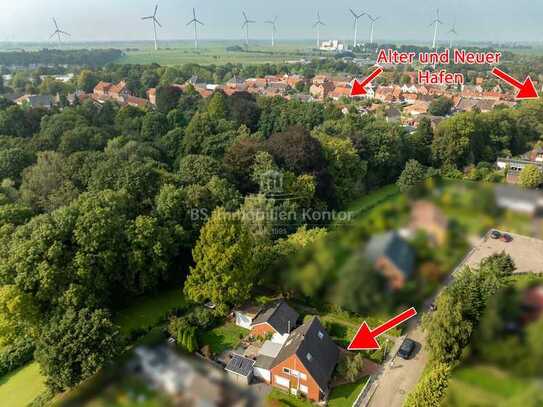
(52, 35)
(244, 15)
(190, 22)
(147, 18)
(199, 22)
(194, 13)
(158, 22)
(65, 33)
(251, 21)
(55, 21)
(353, 13)
(244, 24)
(156, 9)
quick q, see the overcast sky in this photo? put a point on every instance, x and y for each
(103, 20)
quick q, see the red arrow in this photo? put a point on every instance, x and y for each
(365, 337)
(359, 88)
(526, 89)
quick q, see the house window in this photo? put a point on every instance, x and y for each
(286, 370)
(321, 335)
(309, 357)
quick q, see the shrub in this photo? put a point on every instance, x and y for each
(16, 355)
(431, 389)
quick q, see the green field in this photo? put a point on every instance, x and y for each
(483, 386)
(216, 53)
(148, 311)
(19, 388)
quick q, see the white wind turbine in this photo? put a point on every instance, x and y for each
(246, 23)
(436, 23)
(273, 24)
(155, 22)
(195, 21)
(356, 18)
(452, 32)
(372, 25)
(318, 24)
(58, 32)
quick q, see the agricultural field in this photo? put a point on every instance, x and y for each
(217, 53)
(183, 52)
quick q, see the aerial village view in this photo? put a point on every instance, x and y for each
(282, 205)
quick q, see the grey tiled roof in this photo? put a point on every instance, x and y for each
(394, 248)
(315, 350)
(279, 315)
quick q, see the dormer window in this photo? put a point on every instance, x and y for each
(321, 335)
(309, 357)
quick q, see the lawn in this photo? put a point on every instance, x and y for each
(224, 337)
(288, 400)
(483, 386)
(148, 311)
(374, 199)
(344, 396)
(20, 387)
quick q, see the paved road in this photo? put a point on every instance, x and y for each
(400, 376)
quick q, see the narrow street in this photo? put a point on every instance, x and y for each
(400, 376)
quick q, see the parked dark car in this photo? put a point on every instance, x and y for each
(407, 348)
(495, 234)
(507, 238)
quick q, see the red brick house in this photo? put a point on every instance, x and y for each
(393, 257)
(305, 364)
(105, 91)
(277, 319)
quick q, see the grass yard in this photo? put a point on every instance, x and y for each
(148, 311)
(287, 400)
(374, 198)
(483, 386)
(224, 337)
(19, 388)
(345, 395)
